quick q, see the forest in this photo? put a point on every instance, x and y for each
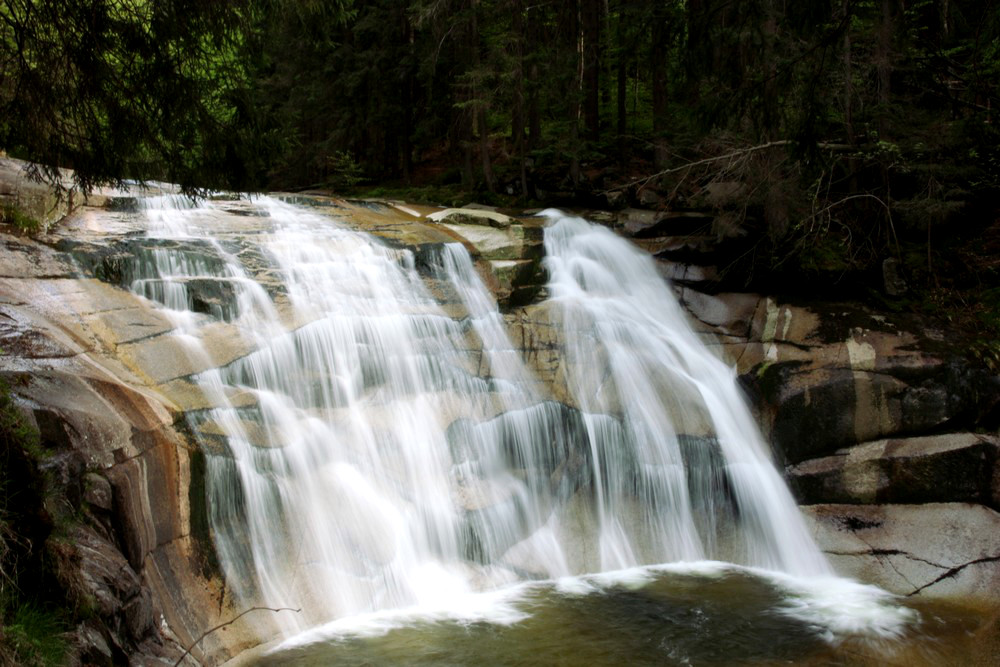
(827, 137)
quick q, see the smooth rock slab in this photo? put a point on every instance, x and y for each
(937, 550)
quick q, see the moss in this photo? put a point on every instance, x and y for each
(11, 214)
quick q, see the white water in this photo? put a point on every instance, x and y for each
(393, 456)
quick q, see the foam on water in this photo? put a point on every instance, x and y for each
(834, 609)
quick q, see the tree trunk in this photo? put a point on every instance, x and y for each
(883, 65)
(479, 102)
(405, 143)
(658, 73)
(848, 74)
(590, 15)
(572, 43)
(621, 99)
(769, 28)
(517, 114)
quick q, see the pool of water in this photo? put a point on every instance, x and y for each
(706, 614)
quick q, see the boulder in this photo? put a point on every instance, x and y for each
(955, 467)
(520, 241)
(643, 223)
(478, 215)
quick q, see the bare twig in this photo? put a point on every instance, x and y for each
(190, 648)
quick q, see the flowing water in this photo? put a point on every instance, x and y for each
(382, 459)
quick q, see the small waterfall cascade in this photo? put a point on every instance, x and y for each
(382, 444)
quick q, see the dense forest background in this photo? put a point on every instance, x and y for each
(826, 137)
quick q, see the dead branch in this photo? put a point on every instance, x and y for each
(743, 152)
(728, 156)
(190, 648)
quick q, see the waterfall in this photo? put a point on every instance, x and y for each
(690, 450)
(382, 444)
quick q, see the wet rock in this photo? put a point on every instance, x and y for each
(25, 258)
(491, 243)
(138, 613)
(64, 472)
(518, 282)
(956, 467)
(164, 358)
(19, 338)
(730, 313)
(815, 411)
(937, 550)
(703, 277)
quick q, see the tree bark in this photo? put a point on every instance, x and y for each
(572, 44)
(534, 113)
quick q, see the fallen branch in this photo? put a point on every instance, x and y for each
(739, 153)
(190, 648)
(708, 160)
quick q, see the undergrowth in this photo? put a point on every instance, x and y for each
(32, 632)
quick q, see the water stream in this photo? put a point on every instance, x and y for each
(382, 457)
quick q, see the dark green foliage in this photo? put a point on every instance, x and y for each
(36, 636)
(128, 90)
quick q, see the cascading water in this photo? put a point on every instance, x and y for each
(383, 446)
(690, 452)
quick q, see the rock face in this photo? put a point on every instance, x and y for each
(943, 550)
(875, 416)
(955, 467)
(845, 396)
(135, 558)
(824, 378)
